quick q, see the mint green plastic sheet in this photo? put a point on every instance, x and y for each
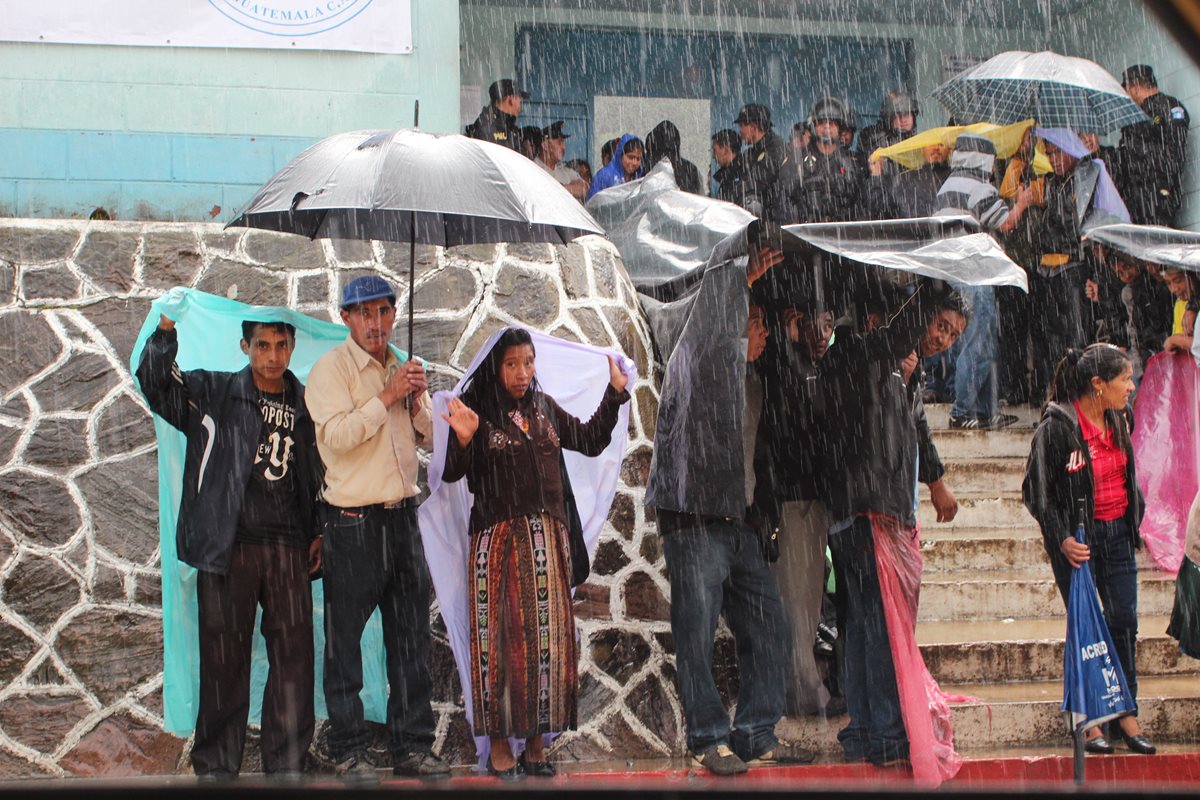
(209, 334)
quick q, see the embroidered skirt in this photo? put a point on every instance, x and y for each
(523, 648)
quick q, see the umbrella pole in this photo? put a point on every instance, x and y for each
(1079, 755)
(412, 288)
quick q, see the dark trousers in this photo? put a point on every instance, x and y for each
(1013, 356)
(1055, 322)
(876, 730)
(716, 564)
(276, 577)
(374, 559)
(1113, 564)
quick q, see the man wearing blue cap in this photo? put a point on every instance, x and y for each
(367, 436)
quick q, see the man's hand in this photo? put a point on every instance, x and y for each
(409, 379)
(314, 557)
(463, 421)
(1091, 290)
(909, 365)
(943, 501)
(760, 262)
(1076, 552)
(1179, 343)
(875, 165)
(616, 378)
(1024, 196)
(165, 323)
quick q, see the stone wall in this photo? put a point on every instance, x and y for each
(80, 590)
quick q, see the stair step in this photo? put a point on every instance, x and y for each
(938, 416)
(987, 550)
(956, 445)
(978, 510)
(984, 475)
(1021, 593)
(1030, 649)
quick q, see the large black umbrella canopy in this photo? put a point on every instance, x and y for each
(1154, 243)
(416, 187)
(1056, 90)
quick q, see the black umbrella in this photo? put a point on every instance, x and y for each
(406, 185)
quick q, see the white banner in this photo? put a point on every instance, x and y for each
(372, 26)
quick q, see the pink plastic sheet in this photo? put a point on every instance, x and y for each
(923, 705)
(1166, 449)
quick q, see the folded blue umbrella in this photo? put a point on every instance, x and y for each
(1094, 687)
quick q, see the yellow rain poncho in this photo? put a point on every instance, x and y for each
(910, 153)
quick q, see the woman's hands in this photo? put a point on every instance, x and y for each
(463, 421)
(1076, 552)
(616, 378)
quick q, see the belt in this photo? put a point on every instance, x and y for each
(360, 511)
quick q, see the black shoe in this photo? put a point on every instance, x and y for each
(822, 648)
(965, 423)
(720, 760)
(537, 769)
(997, 422)
(783, 753)
(356, 768)
(1137, 744)
(1099, 745)
(513, 773)
(421, 764)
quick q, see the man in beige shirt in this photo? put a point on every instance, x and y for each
(371, 412)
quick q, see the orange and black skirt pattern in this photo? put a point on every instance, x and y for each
(523, 647)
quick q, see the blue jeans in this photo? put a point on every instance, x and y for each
(716, 564)
(975, 380)
(876, 730)
(1114, 569)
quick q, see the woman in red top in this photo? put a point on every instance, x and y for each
(1082, 455)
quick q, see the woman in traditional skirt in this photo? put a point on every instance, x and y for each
(1081, 468)
(506, 438)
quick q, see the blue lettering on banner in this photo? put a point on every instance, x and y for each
(290, 18)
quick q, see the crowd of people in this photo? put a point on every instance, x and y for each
(283, 482)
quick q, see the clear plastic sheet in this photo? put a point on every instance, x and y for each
(1166, 448)
(1154, 243)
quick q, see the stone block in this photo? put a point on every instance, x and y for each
(572, 259)
(395, 256)
(610, 558)
(475, 343)
(55, 282)
(623, 515)
(122, 746)
(38, 508)
(562, 332)
(604, 270)
(123, 499)
(626, 741)
(119, 319)
(245, 284)
(106, 256)
(352, 251)
(8, 443)
(42, 722)
(528, 295)
(8, 283)
(112, 651)
(592, 602)
(450, 289)
(651, 548)
(482, 253)
(581, 747)
(619, 653)
(147, 590)
(57, 443)
(435, 339)
(123, 426)
(21, 244)
(446, 685)
(108, 585)
(27, 346)
(628, 337)
(650, 702)
(647, 410)
(594, 697)
(14, 768)
(77, 384)
(589, 322)
(284, 251)
(15, 651)
(530, 251)
(40, 590)
(170, 258)
(644, 600)
(313, 289)
(458, 745)
(222, 241)
(635, 469)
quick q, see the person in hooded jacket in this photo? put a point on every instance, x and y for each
(897, 120)
(663, 142)
(626, 165)
(248, 524)
(1081, 469)
(823, 184)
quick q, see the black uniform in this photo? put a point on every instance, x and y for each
(731, 184)
(820, 188)
(762, 164)
(912, 193)
(873, 137)
(494, 125)
(1152, 160)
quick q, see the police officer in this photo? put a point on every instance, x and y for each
(727, 152)
(1152, 153)
(824, 184)
(897, 120)
(497, 122)
(763, 161)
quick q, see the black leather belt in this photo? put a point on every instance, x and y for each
(362, 511)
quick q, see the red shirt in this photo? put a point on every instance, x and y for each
(1108, 470)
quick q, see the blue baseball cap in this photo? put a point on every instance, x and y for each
(364, 288)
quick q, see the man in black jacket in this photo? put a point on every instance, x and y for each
(873, 454)
(1152, 153)
(823, 184)
(247, 523)
(497, 122)
(763, 161)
